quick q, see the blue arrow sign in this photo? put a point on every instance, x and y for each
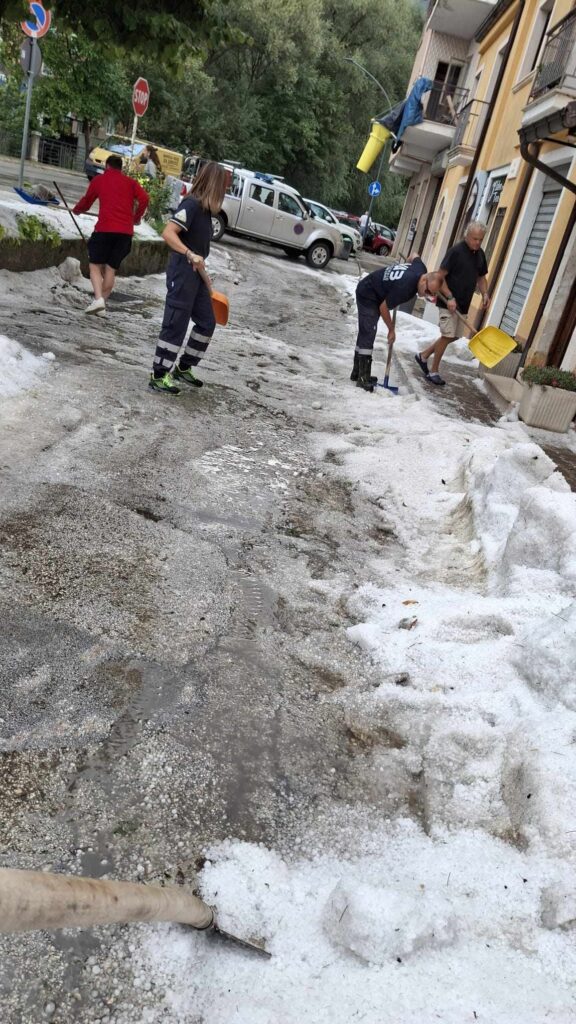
(374, 188)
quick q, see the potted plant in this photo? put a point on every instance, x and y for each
(548, 397)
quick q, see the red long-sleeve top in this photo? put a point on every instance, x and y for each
(122, 201)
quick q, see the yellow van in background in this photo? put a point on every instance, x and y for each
(170, 161)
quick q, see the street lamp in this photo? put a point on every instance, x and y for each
(370, 75)
(351, 60)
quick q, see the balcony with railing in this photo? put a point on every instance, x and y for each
(469, 124)
(554, 84)
(421, 142)
(443, 103)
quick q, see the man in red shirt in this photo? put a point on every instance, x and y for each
(122, 204)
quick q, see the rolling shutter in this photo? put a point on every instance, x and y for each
(531, 257)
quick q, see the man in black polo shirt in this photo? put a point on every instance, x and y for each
(376, 295)
(465, 268)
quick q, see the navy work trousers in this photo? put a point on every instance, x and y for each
(188, 299)
(368, 317)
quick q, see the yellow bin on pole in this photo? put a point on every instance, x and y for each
(378, 136)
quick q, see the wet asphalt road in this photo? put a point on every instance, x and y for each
(167, 659)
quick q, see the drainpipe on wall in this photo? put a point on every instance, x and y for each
(532, 159)
(486, 125)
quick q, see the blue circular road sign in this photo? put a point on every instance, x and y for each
(374, 188)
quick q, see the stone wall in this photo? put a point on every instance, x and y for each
(147, 257)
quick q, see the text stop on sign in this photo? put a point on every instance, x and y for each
(140, 97)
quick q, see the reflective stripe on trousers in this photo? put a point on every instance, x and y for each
(188, 300)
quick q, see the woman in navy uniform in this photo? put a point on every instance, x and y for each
(188, 233)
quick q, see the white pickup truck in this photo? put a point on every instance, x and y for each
(264, 208)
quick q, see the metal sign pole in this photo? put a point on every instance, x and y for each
(30, 74)
(373, 197)
(134, 130)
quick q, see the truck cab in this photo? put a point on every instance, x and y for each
(265, 208)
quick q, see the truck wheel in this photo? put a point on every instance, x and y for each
(318, 255)
(218, 227)
(293, 254)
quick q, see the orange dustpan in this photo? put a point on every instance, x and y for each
(221, 308)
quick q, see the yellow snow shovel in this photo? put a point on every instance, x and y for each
(490, 345)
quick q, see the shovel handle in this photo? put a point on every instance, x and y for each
(31, 900)
(466, 322)
(79, 229)
(388, 361)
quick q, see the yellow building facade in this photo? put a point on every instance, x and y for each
(498, 144)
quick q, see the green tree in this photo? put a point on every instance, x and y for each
(80, 82)
(77, 81)
(12, 98)
(149, 26)
(282, 97)
(273, 91)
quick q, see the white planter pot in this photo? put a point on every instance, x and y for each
(547, 407)
(507, 367)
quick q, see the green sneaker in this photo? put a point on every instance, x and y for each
(165, 384)
(188, 377)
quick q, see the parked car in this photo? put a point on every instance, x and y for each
(322, 212)
(349, 219)
(381, 229)
(262, 207)
(376, 242)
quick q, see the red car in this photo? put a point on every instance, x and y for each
(379, 239)
(376, 242)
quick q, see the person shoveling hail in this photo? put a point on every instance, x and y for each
(464, 269)
(377, 295)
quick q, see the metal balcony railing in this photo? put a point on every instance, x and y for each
(469, 123)
(558, 59)
(444, 103)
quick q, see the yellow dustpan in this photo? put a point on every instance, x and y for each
(490, 345)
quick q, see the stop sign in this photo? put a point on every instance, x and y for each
(140, 97)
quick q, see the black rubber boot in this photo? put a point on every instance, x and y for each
(365, 381)
(356, 369)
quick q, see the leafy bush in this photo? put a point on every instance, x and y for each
(159, 192)
(158, 223)
(551, 376)
(34, 229)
